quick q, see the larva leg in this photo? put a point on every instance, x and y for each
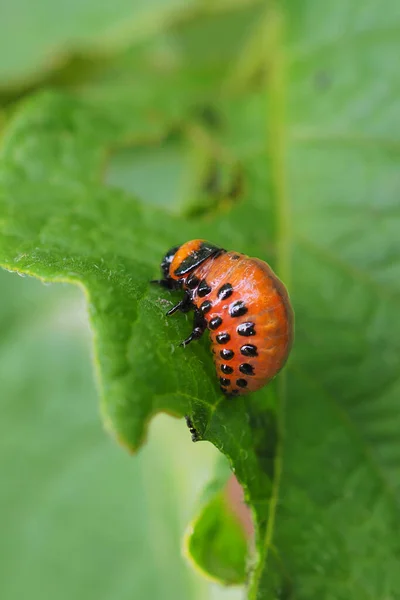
(199, 327)
(184, 306)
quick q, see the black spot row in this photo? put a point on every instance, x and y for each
(203, 288)
(192, 281)
(246, 329)
(215, 323)
(205, 306)
(246, 369)
(246, 350)
(237, 309)
(222, 338)
(239, 382)
(249, 350)
(225, 291)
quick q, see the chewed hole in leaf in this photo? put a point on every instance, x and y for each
(220, 185)
(156, 174)
(219, 538)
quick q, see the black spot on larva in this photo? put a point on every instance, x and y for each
(215, 323)
(222, 338)
(205, 306)
(226, 369)
(203, 288)
(234, 393)
(237, 309)
(246, 329)
(225, 291)
(227, 354)
(241, 383)
(235, 257)
(246, 369)
(224, 381)
(192, 281)
(249, 350)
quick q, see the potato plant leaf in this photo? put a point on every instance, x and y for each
(303, 173)
(48, 32)
(65, 486)
(216, 539)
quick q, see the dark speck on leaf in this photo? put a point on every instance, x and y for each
(322, 80)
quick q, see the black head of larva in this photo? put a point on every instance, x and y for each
(198, 254)
(185, 260)
(167, 260)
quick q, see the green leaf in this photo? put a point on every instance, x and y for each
(78, 230)
(132, 170)
(218, 543)
(314, 139)
(151, 86)
(335, 164)
(78, 517)
(47, 31)
(216, 539)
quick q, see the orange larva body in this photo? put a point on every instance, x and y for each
(268, 310)
(245, 307)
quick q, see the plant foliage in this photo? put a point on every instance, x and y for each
(293, 143)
